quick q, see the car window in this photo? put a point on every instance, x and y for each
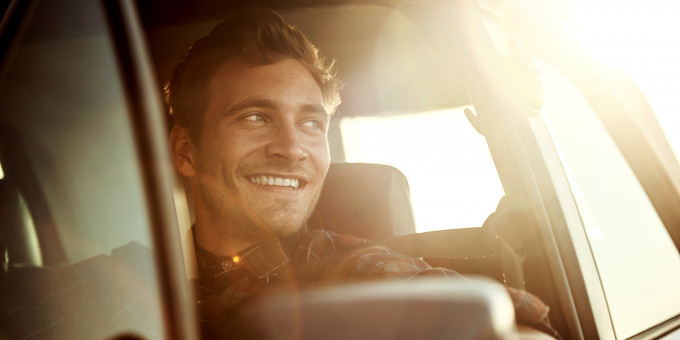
(451, 175)
(68, 149)
(637, 262)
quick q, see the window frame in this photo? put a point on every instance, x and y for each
(638, 136)
(146, 111)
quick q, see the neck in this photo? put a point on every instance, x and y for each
(219, 242)
(218, 235)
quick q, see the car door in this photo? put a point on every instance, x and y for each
(89, 230)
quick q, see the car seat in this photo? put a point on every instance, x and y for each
(370, 201)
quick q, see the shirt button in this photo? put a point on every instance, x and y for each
(226, 265)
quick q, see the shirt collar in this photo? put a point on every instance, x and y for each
(259, 261)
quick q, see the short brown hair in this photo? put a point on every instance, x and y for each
(259, 35)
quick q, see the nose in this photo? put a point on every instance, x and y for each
(285, 144)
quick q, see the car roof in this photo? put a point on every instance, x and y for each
(380, 55)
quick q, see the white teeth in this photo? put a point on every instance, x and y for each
(276, 181)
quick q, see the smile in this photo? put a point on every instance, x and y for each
(276, 181)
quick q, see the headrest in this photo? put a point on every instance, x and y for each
(371, 201)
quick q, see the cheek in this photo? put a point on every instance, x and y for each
(322, 156)
(238, 152)
(228, 142)
(217, 152)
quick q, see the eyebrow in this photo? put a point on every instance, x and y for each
(275, 104)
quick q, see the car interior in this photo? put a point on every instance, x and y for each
(389, 68)
(395, 58)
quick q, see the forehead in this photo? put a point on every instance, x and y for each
(286, 81)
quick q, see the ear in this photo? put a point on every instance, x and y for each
(183, 151)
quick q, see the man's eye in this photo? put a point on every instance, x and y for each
(255, 117)
(313, 124)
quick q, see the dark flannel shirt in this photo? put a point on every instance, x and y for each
(308, 259)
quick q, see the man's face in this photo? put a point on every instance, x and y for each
(263, 152)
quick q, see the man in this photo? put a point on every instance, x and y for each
(251, 103)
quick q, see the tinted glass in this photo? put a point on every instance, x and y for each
(80, 263)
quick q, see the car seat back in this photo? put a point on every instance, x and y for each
(371, 201)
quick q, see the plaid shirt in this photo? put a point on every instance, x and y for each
(307, 259)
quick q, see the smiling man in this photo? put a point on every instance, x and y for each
(261, 156)
(251, 103)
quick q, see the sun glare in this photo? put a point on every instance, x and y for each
(451, 175)
(642, 39)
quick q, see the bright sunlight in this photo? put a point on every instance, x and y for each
(451, 175)
(641, 38)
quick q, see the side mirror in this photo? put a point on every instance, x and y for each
(426, 308)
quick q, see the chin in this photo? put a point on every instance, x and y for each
(283, 218)
(285, 225)
(285, 229)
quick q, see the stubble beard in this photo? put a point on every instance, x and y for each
(253, 221)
